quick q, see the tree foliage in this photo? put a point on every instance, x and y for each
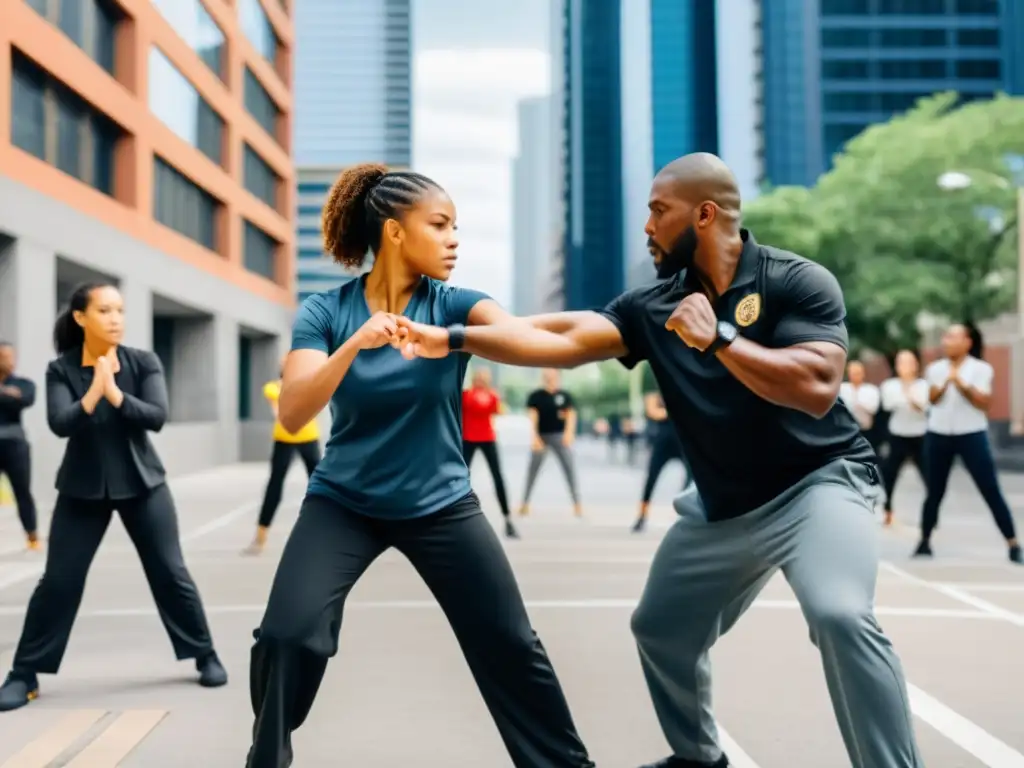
(902, 246)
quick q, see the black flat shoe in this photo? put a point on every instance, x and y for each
(17, 691)
(211, 672)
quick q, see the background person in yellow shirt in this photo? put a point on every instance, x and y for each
(305, 442)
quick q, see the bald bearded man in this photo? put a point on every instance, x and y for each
(748, 344)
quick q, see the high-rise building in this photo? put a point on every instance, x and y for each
(835, 67)
(532, 218)
(353, 104)
(148, 144)
(594, 266)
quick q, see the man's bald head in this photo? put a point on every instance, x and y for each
(702, 177)
(692, 197)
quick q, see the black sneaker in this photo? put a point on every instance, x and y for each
(924, 549)
(17, 691)
(639, 525)
(1015, 555)
(510, 530)
(211, 672)
(679, 762)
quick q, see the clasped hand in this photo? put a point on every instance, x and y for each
(103, 383)
(410, 338)
(694, 321)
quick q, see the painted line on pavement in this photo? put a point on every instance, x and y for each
(737, 757)
(118, 740)
(969, 737)
(983, 587)
(957, 594)
(586, 604)
(48, 746)
(207, 528)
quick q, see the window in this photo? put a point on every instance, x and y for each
(845, 7)
(842, 69)
(52, 122)
(978, 69)
(91, 25)
(314, 188)
(259, 104)
(191, 22)
(311, 210)
(244, 378)
(978, 38)
(913, 69)
(177, 103)
(258, 30)
(912, 8)
(183, 206)
(259, 178)
(845, 37)
(978, 7)
(848, 102)
(259, 250)
(899, 102)
(913, 38)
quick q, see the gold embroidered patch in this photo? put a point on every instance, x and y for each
(748, 310)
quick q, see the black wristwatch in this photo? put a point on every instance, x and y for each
(456, 337)
(727, 334)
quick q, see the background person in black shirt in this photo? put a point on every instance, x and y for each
(17, 394)
(553, 416)
(665, 447)
(104, 398)
(748, 345)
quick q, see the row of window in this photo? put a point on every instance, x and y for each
(53, 123)
(909, 7)
(907, 37)
(91, 25)
(911, 69)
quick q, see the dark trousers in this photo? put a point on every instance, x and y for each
(490, 451)
(76, 530)
(901, 450)
(280, 460)
(663, 450)
(462, 561)
(975, 452)
(16, 463)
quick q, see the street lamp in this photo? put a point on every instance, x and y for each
(954, 180)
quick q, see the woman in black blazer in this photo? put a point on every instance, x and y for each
(104, 398)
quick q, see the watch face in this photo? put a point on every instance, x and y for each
(727, 331)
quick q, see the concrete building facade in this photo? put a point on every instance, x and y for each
(533, 236)
(148, 143)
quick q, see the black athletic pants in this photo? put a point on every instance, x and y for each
(16, 463)
(462, 561)
(76, 530)
(901, 450)
(490, 452)
(280, 459)
(975, 452)
(663, 450)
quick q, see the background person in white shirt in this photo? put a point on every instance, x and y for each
(960, 391)
(862, 398)
(905, 397)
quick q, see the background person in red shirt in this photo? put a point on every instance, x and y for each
(480, 403)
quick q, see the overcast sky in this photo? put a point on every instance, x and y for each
(474, 60)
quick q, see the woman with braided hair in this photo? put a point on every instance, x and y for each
(393, 475)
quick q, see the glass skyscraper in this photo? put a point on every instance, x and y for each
(834, 67)
(353, 104)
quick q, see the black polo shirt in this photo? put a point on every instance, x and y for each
(744, 451)
(552, 409)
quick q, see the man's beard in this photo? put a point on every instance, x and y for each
(679, 257)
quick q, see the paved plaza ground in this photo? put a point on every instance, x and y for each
(399, 692)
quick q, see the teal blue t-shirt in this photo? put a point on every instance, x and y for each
(395, 449)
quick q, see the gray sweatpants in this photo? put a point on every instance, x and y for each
(564, 456)
(822, 534)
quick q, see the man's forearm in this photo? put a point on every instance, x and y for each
(794, 377)
(974, 397)
(523, 344)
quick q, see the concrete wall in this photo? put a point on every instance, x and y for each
(44, 243)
